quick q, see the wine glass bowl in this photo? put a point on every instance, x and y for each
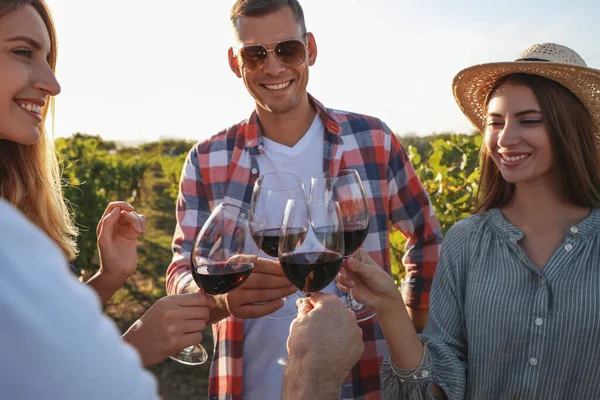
(311, 260)
(269, 198)
(346, 188)
(222, 257)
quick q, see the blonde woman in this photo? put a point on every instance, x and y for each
(515, 304)
(30, 180)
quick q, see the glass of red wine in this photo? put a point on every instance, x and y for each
(311, 261)
(347, 190)
(223, 256)
(269, 198)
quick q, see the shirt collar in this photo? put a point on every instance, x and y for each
(252, 131)
(589, 226)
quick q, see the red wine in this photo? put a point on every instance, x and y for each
(311, 272)
(221, 278)
(270, 243)
(354, 236)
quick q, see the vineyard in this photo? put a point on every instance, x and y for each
(97, 172)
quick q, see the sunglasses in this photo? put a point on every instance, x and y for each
(291, 53)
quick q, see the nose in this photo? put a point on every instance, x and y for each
(273, 66)
(509, 135)
(45, 80)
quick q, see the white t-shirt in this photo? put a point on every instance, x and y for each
(264, 338)
(55, 343)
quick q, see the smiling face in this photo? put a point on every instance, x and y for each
(516, 135)
(26, 79)
(276, 87)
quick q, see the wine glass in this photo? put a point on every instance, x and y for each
(269, 198)
(222, 258)
(347, 189)
(311, 246)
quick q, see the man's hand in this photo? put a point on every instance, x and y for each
(324, 344)
(170, 325)
(260, 295)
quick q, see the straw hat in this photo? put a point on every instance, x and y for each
(472, 85)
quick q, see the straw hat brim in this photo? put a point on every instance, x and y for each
(472, 85)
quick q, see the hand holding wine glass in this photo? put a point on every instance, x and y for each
(368, 281)
(311, 261)
(325, 342)
(222, 258)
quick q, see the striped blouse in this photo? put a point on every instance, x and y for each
(499, 328)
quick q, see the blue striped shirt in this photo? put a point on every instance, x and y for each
(501, 328)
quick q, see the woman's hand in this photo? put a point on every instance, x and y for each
(369, 283)
(117, 245)
(170, 325)
(117, 240)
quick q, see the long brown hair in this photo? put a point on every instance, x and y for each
(29, 174)
(572, 136)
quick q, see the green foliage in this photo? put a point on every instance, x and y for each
(95, 174)
(448, 166)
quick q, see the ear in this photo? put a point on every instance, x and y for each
(233, 63)
(312, 49)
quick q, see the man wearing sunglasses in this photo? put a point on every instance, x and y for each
(290, 131)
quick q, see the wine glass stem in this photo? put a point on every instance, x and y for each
(349, 298)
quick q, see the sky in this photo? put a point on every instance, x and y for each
(142, 70)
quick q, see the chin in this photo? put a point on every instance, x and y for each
(281, 108)
(518, 180)
(26, 137)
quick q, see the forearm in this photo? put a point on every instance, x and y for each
(406, 349)
(105, 285)
(132, 337)
(418, 317)
(302, 382)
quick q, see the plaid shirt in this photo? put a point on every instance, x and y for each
(224, 169)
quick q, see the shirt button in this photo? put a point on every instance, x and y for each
(261, 146)
(574, 229)
(250, 142)
(425, 374)
(539, 321)
(254, 171)
(533, 361)
(568, 247)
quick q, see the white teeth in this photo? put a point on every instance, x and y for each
(516, 158)
(279, 86)
(32, 107)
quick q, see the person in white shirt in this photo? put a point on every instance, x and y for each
(55, 343)
(30, 180)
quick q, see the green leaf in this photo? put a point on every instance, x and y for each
(462, 199)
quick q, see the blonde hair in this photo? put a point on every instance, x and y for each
(30, 176)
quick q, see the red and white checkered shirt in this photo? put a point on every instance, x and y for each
(224, 169)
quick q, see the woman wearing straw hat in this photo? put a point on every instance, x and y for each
(515, 302)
